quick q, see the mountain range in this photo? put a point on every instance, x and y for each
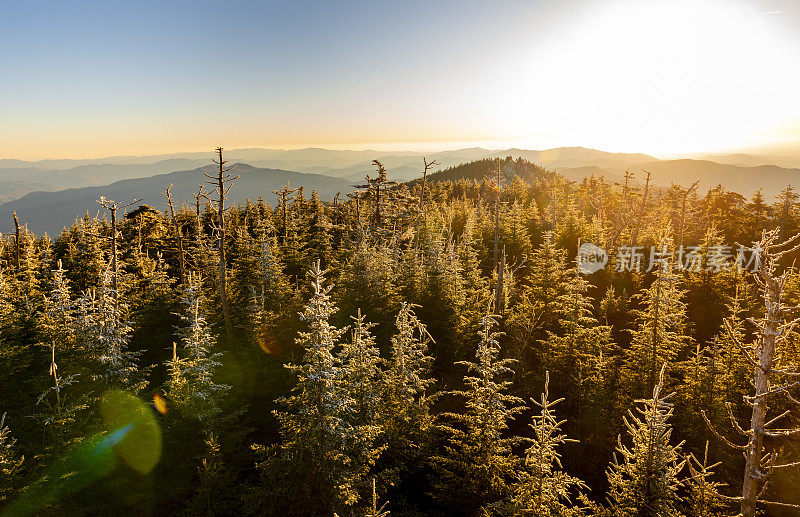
(51, 192)
(51, 211)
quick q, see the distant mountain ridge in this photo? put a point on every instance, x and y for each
(740, 172)
(771, 179)
(50, 211)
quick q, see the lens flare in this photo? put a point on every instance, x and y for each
(141, 447)
(268, 342)
(132, 433)
(160, 403)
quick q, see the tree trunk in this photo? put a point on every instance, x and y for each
(500, 301)
(766, 353)
(223, 289)
(16, 242)
(114, 265)
(178, 233)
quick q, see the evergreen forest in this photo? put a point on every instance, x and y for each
(420, 348)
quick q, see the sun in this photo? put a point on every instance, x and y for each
(660, 77)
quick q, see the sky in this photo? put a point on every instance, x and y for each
(90, 79)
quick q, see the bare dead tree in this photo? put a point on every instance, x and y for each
(553, 198)
(625, 214)
(377, 189)
(501, 295)
(498, 262)
(769, 380)
(685, 197)
(336, 219)
(421, 208)
(283, 193)
(201, 194)
(222, 184)
(641, 211)
(112, 207)
(16, 242)
(498, 185)
(357, 196)
(178, 231)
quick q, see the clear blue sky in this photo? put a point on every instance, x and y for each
(100, 78)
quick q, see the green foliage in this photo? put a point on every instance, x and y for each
(191, 386)
(10, 462)
(477, 456)
(658, 337)
(347, 409)
(543, 489)
(644, 478)
(323, 456)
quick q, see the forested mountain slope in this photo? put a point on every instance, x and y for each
(433, 345)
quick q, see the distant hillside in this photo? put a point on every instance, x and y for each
(752, 160)
(17, 181)
(744, 180)
(18, 177)
(571, 157)
(481, 169)
(741, 172)
(50, 211)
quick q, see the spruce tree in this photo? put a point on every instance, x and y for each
(581, 345)
(704, 498)
(658, 337)
(57, 324)
(409, 365)
(312, 470)
(543, 489)
(406, 419)
(269, 297)
(478, 464)
(191, 386)
(319, 236)
(63, 401)
(10, 462)
(369, 281)
(361, 374)
(643, 478)
(537, 310)
(105, 332)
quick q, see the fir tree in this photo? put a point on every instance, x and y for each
(543, 489)
(269, 297)
(581, 346)
(359, 359)
(106, 335)
(478, 457)
(311, 470)
(63, 414)
(536, 313)
(659, 334)
(319, 241)
(409, 366)
(405, 413)
(191, 386)
(704, 498)
(10, 462)
(215, 486)
(57, 327)
(645, 482)
(369, 280)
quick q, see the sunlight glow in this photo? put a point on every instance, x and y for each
(657, 77)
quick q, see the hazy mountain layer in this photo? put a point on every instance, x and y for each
(50, 211)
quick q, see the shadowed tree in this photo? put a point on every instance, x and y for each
(222, 183)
